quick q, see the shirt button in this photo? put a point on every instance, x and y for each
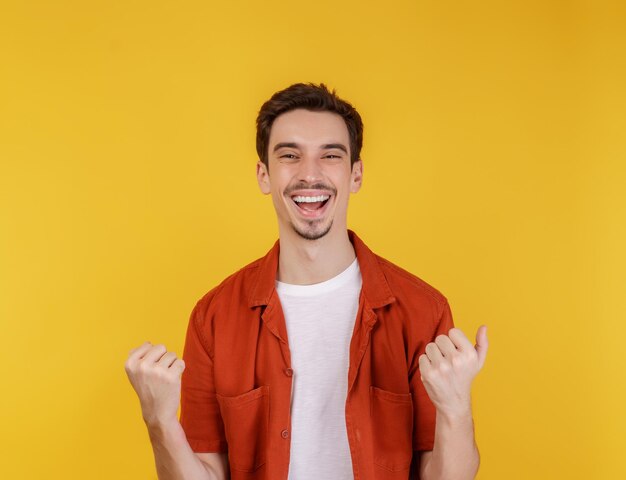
(284, 433)
(288, 372)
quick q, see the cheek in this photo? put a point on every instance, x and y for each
(279, 200)
(277, 193)
(280, 181)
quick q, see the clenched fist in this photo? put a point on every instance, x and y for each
(448, 367)
(155, 375)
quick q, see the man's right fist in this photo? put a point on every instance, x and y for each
(155, 375)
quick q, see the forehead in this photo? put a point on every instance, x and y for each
(307, 127)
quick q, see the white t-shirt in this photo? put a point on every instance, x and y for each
(320, 320)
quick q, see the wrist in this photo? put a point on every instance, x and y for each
(455, 416)
(159, 426)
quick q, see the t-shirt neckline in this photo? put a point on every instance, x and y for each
(350, 274)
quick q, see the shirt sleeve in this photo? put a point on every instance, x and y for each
(423, 408)
(200, 414)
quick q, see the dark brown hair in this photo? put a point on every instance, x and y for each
(308, 96)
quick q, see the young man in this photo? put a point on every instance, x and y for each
(320, 360)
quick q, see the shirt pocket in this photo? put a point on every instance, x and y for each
(392, 428)
(246, 424)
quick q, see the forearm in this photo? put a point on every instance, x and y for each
(455, 454)
(174, 458)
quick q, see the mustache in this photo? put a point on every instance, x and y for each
(313, 186)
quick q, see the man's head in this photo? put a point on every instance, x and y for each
(310, 140)
(316, 98)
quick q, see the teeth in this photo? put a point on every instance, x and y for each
(302, 199)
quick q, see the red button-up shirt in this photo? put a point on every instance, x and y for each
(237, 385)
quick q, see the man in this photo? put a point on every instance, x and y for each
(320, 360)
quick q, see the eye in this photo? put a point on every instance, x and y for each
(289, 156)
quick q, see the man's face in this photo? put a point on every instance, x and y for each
(309, 177)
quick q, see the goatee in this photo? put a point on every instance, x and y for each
(312, 235)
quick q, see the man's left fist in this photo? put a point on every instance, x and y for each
(448, 367)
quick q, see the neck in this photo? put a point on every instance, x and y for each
(305, 262)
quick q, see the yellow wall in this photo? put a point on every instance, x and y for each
(494, 163)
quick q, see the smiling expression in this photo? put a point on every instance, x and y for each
(310, 177)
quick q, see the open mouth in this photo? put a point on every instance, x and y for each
(311, 206)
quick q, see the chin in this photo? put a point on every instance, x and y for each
(312, 234)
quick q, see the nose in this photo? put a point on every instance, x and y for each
(310, 169)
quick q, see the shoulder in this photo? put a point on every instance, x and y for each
(417, 305)
(233, 287)
(228, 299)
(406, 285)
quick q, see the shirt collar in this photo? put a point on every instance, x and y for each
(374, 284)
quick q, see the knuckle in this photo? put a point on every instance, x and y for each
(143, 367)
(469, 355)
(444, 370)
(433, 374)
(458, 361)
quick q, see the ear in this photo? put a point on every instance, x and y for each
(263, 177)
(356, 176)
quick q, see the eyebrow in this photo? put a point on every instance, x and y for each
(326, 146)
(340, 146)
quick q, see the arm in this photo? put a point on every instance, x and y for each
(454, 451)
(155, 375)
(175, 460)
(447, 369)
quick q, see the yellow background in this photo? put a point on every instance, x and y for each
(494, 168)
